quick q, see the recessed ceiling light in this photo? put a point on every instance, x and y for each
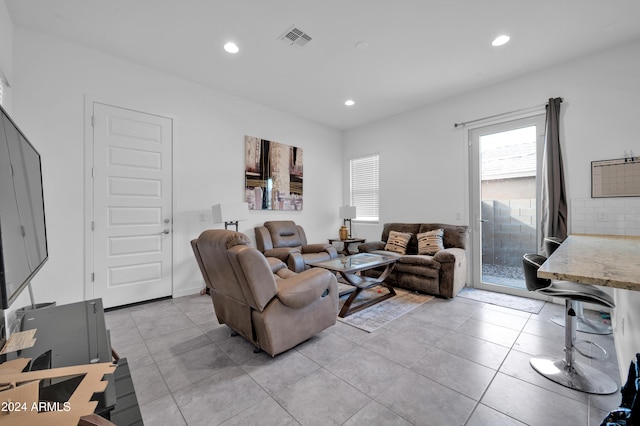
(231, 47)
(500, 40)
(361, 45)
(349, 102)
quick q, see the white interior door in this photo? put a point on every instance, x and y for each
(132, 216)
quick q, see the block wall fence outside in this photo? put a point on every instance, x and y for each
(509, 231)
(612, 216)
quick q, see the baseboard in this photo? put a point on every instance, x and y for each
(188, 291)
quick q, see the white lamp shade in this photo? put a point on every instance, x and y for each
(347, 212)
(230, 212)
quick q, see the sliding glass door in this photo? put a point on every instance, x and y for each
(505, 163)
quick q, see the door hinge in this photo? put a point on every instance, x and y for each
(93, 225)
(93, 276)
(93, 121)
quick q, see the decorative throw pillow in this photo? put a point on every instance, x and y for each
(397, 242)
(430, 242)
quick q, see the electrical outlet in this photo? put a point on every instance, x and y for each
(458, 216)
(601, 217)
(202, 217)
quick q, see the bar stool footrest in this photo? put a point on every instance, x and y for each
(600, 355)
(585, 325)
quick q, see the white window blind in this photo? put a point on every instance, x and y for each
(365, 187)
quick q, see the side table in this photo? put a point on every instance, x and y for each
(345, 243)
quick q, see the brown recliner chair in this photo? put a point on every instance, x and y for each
(288, 242)
(272, 307)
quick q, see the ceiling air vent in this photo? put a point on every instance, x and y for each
(295, 37)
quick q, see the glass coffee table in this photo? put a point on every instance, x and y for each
(349, 267)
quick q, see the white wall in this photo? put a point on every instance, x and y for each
(6, 52)
(52, 78)
(423, 160)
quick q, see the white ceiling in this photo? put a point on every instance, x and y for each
(419, 51)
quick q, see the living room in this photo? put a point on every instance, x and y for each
(51, 79)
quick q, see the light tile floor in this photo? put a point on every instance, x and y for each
(448, 362)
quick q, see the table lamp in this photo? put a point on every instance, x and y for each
(230, 213)
(347, 213)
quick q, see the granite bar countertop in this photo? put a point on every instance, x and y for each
(605, 260)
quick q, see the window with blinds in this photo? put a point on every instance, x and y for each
(365, 187)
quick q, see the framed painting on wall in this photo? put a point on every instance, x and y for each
(273, 175)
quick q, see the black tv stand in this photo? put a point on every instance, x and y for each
(76, 334)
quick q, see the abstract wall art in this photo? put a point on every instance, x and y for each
(273, 175)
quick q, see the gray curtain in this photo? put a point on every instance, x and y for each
(553, 218)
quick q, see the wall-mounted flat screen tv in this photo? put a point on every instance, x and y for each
(23, 237)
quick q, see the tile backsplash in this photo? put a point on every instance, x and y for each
(613, 216)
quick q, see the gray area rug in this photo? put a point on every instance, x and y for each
(376, 316)
(506, 300)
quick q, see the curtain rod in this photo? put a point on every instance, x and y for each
(463, 124)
